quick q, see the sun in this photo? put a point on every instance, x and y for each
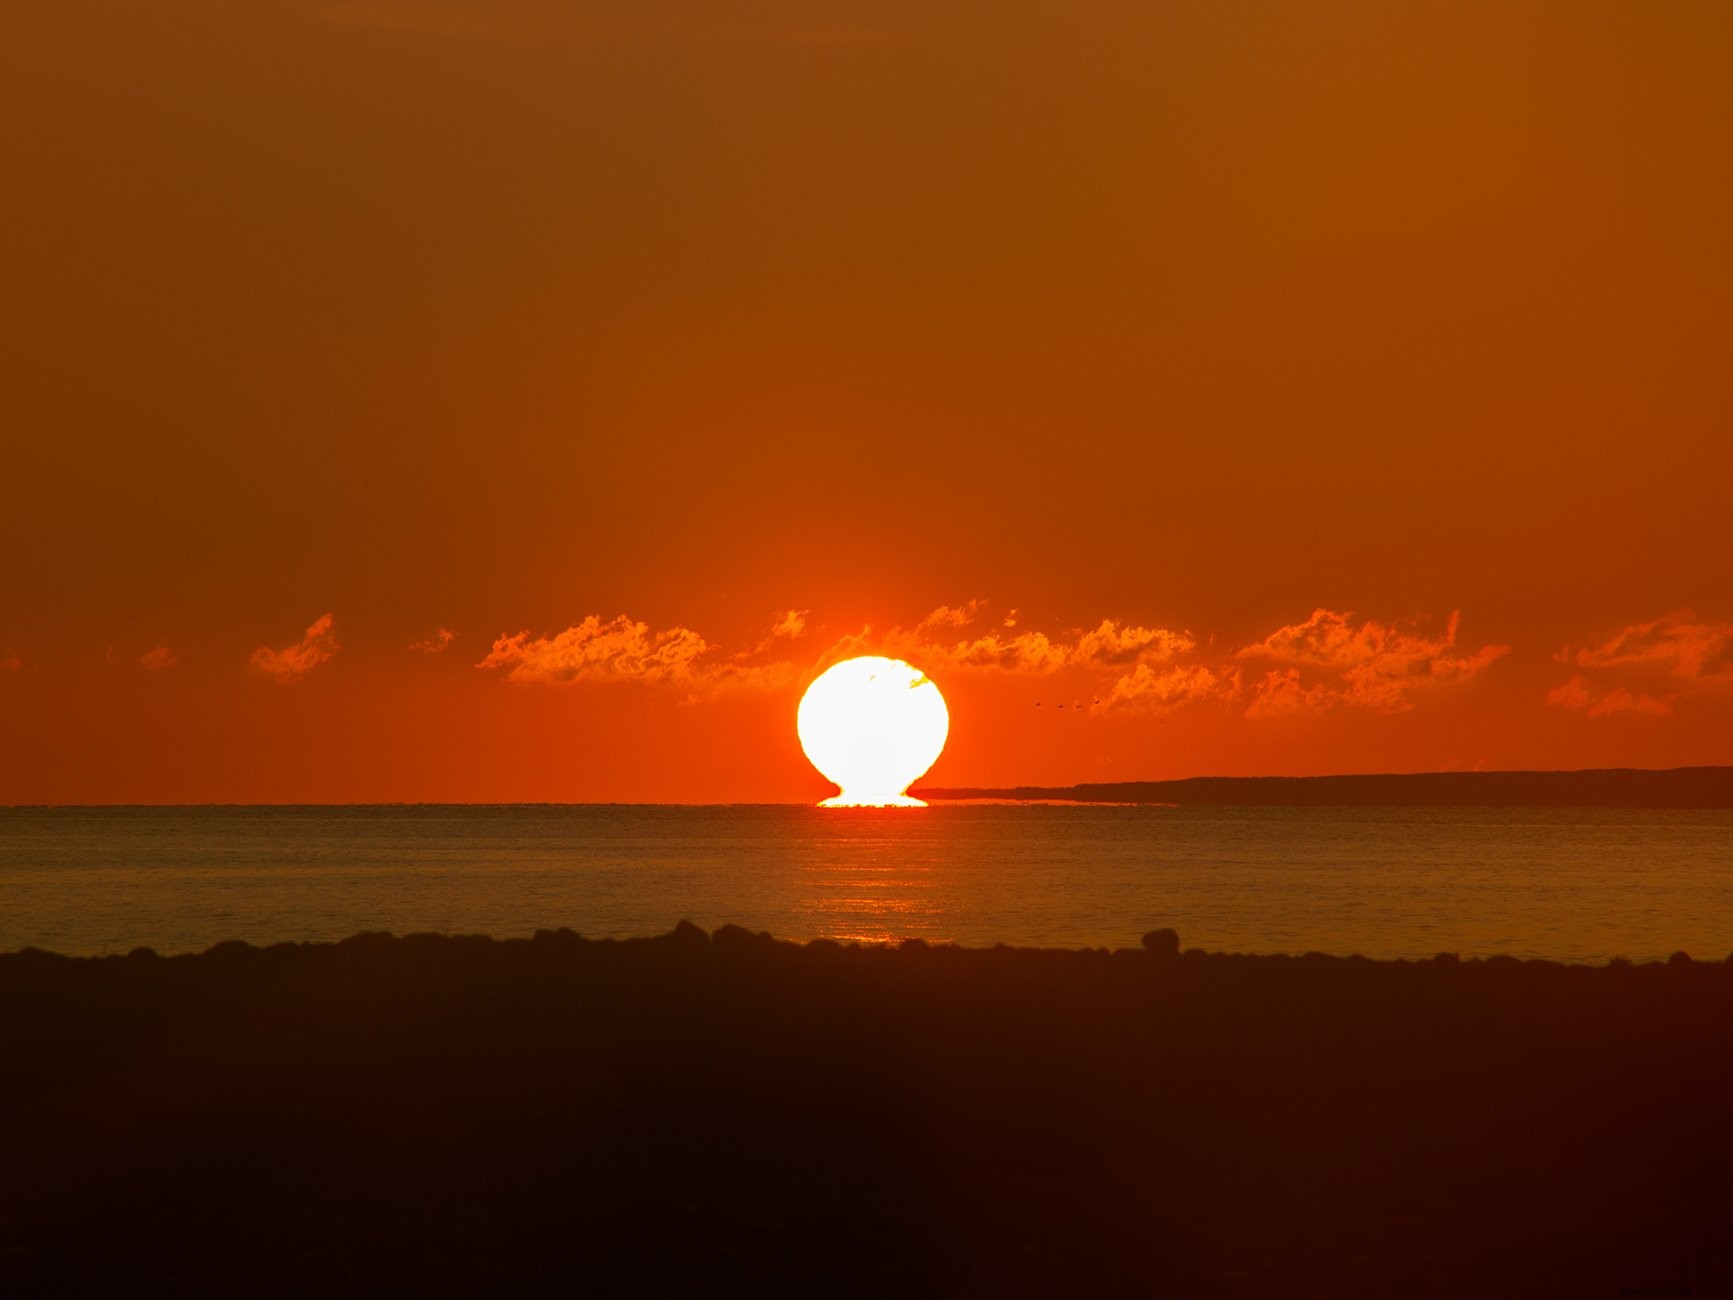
(873, 725)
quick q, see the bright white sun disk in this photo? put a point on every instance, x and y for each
(874, 726)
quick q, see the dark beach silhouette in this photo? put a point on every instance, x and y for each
(727, 1114)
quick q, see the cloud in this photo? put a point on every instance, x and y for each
(1280, 694)
(292, 663)
(1328, 661)
(625, 650)
(1578, 696)
(1026, 652)
(790, 624)
(620, 650)
(1677, 643)
(1630, 671)
(931, 644)
(1369, 665)
(157, 659)
(724, 678)
(435, 643)
(950, 616)
(10, 663)
(1112, 644)
(1151, 690)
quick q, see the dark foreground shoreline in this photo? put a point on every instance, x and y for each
(733, 1115)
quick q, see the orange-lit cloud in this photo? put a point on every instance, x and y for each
(1112, 644)
(435, 643)
(1646, 668)
(292, 663)
(157, 659)
(1578, 696)
(1332, 661)
(933, 644)
(1279, 693)
(620, 650)
(10, 663)
(790, 624)
(1026, 652)
(1678, 643)
(1326, 662)
(722, 678)
(625, 650)
(1152, 690)
(946, 616)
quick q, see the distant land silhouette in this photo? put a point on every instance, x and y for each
(1618, 787)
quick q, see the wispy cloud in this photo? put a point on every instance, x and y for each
(1280, 693)
(1148, 689)
(619, 650)
(623, 649)
(950, 616)
(1647, 668)
(294, 662)
(1580, 697)
(789, 625)
(1678, 643)
(940, 641)
(435, 643)
(10, 662)
(158, 659)
(1330, 661)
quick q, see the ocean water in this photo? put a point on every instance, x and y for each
(1567, 884)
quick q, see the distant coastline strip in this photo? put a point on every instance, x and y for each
(1680, 787)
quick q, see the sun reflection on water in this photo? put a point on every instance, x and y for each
(867, 887)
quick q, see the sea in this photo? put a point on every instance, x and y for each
(1574, 885)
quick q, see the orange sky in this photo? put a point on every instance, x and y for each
(1332, 387)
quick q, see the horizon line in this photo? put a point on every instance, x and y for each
(792, 803)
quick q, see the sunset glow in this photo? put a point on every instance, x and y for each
(873, 725)
(419, 408)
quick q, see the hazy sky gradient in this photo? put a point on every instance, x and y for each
(1195, 317)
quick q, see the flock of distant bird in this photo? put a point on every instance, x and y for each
(1077, 705)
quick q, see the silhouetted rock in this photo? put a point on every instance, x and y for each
(375, 939)
(686, 932)
(567, 938)
(1163, 943)
(1679, 959)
